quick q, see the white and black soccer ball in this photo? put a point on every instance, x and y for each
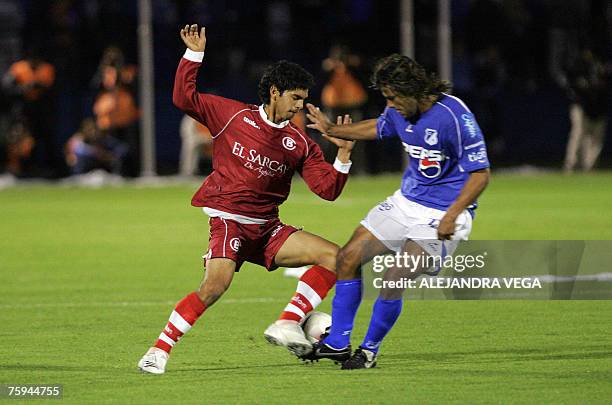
(315, 324)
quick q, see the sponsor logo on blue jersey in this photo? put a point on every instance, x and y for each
(480, 156)
(470, 124)
(430, 165)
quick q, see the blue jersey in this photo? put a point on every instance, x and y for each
(445, 144)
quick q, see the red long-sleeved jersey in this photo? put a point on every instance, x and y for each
(254, 159)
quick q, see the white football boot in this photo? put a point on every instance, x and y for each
(154, 361)
(290, 335)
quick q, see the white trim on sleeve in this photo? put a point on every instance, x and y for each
(342, 167)
(193, 55)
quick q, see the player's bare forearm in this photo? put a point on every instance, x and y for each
(471, 190)
(344, 155)
(362, 130)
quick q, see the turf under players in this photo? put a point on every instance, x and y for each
(256, 151)
(447, 171)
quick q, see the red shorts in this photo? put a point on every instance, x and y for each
(251, 243)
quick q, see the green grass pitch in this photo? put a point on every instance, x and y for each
(89, 277)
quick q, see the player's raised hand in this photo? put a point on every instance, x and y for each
(341, 143)
(319, 121)
(194, 40)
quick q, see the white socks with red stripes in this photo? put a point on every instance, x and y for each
(187, 311)
(312, 288)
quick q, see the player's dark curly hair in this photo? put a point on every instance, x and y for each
(406, 77)
(285, 76)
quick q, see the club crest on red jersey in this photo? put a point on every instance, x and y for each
(289, 143)
(235, 244)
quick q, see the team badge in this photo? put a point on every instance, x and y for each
(289, 143)
(431, 136)
(235, 244)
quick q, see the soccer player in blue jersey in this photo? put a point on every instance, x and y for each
(447, 171)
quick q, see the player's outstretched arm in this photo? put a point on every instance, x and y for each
(471, 190)
(211, 110)
(362, 130)
(184, 96)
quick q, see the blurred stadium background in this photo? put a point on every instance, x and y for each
(513, 61)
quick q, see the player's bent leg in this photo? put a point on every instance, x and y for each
(216, 281)
(362, 246)
(386, 311)
(303, 248)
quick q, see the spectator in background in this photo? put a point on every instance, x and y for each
(196, 141)
(11, 21)
(115, 107)
(89, 149)
(344, 94)
(27, 86)
(587, 84)
(19, 144)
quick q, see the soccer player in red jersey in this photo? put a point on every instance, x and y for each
(256, 151)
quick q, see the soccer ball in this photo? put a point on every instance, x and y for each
(315, 324)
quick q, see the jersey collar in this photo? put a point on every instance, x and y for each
(264, 117)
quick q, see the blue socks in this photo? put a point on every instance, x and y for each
(384, 315)
(344, 308)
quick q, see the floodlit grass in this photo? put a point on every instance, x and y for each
(89, 277)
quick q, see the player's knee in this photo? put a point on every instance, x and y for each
(328, 257)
